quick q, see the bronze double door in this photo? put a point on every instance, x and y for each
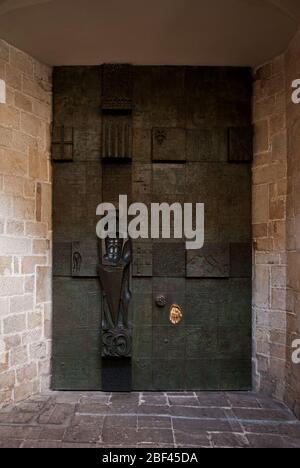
(156, 134)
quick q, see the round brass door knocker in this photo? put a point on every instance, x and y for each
(176, 314)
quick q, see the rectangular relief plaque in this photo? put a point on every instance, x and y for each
(84, 262)
(117, 87)
(169, 259)
(212, 261)
(168, 144)
(62, 143)
(117, 137)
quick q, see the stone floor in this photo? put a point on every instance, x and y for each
(152, 420)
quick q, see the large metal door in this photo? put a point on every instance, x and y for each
(183, 135)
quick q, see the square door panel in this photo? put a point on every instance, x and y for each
(76, 373)
(168, 180)
(207, 145)
(142, 259)
(117, 180)
(76, 336)
(77, 191)
(206, 300)
(212, 261)
(77, 304)
(169, 259)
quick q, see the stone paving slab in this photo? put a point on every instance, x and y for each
(149, 420)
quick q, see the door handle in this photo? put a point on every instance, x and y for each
(176, 314)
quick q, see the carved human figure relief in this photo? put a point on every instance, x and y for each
(115, 278)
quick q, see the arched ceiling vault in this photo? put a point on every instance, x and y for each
(160, 32)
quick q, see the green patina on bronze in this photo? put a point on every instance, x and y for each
(183, 134)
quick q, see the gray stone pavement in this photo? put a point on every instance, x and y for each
(148, 420)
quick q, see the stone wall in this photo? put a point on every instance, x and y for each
(292, 64)
(25, 226)
(276, 227)
(269, 227)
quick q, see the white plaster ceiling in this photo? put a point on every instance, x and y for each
(168, 32)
